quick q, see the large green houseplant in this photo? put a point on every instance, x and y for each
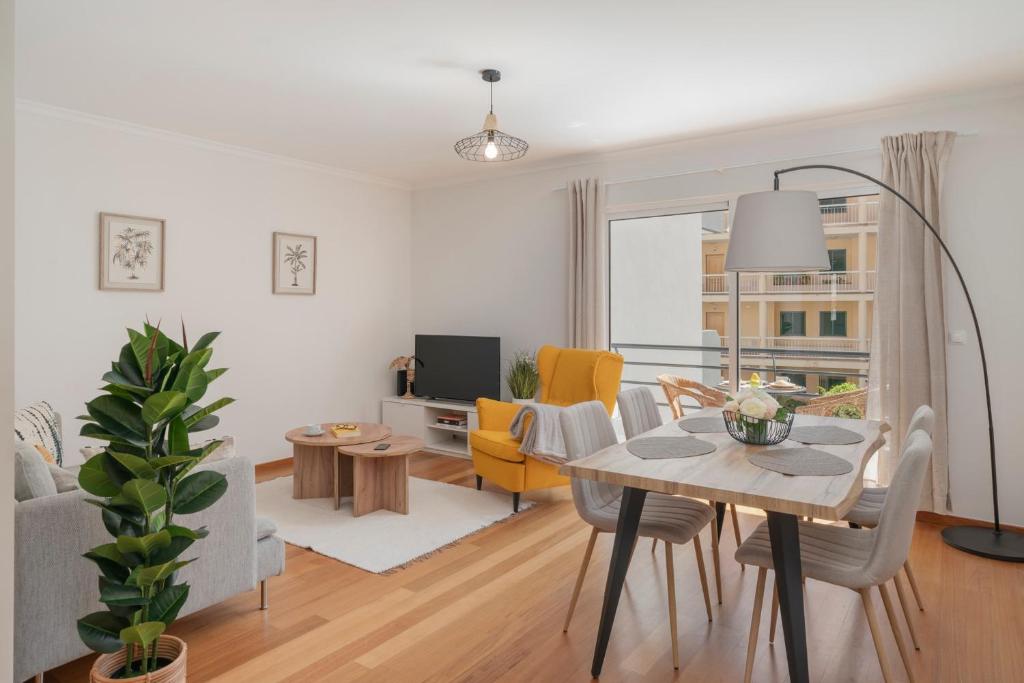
(143, 478)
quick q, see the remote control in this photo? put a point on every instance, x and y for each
(382, 447)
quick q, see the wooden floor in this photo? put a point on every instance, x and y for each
(491, 609)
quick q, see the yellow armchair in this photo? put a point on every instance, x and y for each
(567, 377)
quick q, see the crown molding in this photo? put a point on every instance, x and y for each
(76, 116)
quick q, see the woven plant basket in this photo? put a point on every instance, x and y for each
(168, 647)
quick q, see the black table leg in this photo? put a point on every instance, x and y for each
(719, 517)
(784, 532)
(630, 510)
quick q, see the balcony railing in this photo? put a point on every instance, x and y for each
(802, 343)
(794, 283)
(853, 213)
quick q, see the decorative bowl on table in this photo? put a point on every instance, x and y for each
(757, 431)
(754, 417)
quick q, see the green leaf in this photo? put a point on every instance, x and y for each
(184, 532)
(140, 344)
(198, 492)
(144, 545)
(191, 377)
(91, 430)
(215, 373)
(208, 422)
(121, 595)
(139, 467)
(145, 577)
(176, 547)
(101, 631)
(177, 436)
(120, 509)
(146, 495)
(110, 561)
(119, 417)
(93, 478)
(162, 406)
(128, 366)
(169, 461)
(144, 634)
(198, 415)
(166, 604)
(205, 341)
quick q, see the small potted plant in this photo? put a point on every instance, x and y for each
(143, 480)
(522, 377)
(754, 417)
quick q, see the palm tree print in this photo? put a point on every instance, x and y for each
(295, 257)
(134, 247)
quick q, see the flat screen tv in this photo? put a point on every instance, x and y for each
(458, 368)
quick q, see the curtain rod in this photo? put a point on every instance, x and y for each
(720, 169)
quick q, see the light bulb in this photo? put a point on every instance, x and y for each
(491, 150)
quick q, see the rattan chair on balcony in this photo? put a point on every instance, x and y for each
(675, 388)
(825, 406)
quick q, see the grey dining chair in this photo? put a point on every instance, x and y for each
(865, 513)
(858, 559)
(586, 429)
(640, 414)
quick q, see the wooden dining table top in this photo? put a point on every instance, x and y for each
(726, 475)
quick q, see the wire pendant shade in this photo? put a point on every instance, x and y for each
(490, 144)
(474, 148)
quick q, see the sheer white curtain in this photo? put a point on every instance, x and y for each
(588, 265)
(908, 351)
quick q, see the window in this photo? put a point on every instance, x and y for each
(832, 323)
(792, 324)
(837, 259)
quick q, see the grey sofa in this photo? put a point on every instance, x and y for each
(54, 585)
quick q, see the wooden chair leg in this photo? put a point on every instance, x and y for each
(671, 577)
(736, 530)
(654, 545)
(901, 645)
(906, 610)
(716, 559)
(579, 577)
(755, 623)
(703, 574)
(775, 614)
(876, 634)
(913, 585)
(479, 482)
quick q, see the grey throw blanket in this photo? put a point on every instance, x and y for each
(543, 436)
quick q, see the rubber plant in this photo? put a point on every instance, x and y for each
(522, 376)
(143, 478)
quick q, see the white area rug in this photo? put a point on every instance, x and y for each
(439, 514)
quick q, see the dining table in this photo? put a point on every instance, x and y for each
(726, 475)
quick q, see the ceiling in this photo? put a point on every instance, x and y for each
(386, 87)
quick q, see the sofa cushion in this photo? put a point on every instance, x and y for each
(265, 528)
(65, 480)
(497, 444)
(32, 478)
(39, 424)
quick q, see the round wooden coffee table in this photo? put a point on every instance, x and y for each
(316, 468)
(380, 478)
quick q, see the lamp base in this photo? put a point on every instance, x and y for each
(1007, 546)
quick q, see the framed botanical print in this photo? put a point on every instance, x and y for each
(294, 264)
(131, 253)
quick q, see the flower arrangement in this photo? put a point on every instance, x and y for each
(407, 363)
(522, 376)
(754, 417)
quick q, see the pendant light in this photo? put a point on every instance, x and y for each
(490, 144)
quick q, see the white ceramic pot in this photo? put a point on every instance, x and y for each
(524, 401)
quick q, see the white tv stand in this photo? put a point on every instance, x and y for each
(418, 417)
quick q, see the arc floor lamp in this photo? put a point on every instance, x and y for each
(781, 231)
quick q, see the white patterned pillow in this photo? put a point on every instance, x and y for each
(39, 424)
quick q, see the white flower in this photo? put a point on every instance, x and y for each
(772, 406)
(732, 406)
(744, 395)
(754, 407)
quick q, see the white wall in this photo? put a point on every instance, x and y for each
(7, 333)
(292, 359)
(499, 247)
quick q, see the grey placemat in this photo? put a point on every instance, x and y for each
(703, 425)
(661, 447)
(801, 461)
(828, 435)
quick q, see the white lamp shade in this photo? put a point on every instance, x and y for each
(777, 231)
